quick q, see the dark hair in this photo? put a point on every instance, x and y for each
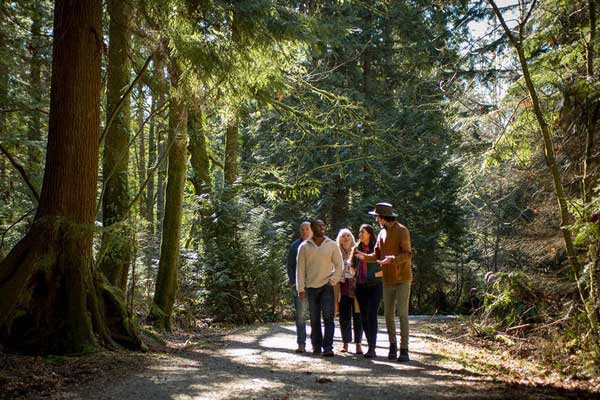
(317, 221)
(372, 238)
(389, 218)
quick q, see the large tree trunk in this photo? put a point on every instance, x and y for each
(115, 256)
(162, 148)
(166, 281)
(50, 299)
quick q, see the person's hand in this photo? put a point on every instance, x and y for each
(301, 295)
(386, 260)
(360, 255)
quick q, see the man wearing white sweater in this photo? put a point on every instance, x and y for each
(319, 268)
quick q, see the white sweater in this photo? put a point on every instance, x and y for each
(318, 265)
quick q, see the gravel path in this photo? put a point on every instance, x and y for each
(260, 363)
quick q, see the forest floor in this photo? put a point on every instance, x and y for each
(258, 362)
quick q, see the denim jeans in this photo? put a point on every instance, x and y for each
(349, 319)
(369, 297)
(320, 302)
(300, 306)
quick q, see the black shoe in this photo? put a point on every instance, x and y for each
(370, 353)
(301, 349)
(393, 351)
(328, 354)
(317, 352)
(403, 356)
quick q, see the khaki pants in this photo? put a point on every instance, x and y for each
(397, 296)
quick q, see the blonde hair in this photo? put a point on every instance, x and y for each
(341, 233)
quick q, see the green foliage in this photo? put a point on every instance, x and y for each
(510, 300)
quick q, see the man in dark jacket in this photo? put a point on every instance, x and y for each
(299, 304)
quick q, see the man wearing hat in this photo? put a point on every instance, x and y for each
(393, 252)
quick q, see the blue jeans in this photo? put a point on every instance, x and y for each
(300, 307)
(320, 302)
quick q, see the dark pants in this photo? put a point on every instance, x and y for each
(320, 301)
(369, 297)
(347, 315)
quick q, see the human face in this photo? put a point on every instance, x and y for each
(380, 220)
(346, 240)
(318, 228)
(364, 236)
(305, 231)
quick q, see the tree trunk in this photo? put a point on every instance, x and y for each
(162, 148)
(166, 281)
(198, 149)
(115, 255)
(50, 299)
(200, 163)
(141, 150)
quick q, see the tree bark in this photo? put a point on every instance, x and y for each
(198, 149)
(166, 281)
(115, 256)
(199, 162)
(50, 299)
(162, 148)
(141, 151)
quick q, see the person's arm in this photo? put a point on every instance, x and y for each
(376, 254)
(300, 270)
(338, 264)
(404, 251)
(291, 263)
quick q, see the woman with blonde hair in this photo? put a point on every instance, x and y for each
(348, 306)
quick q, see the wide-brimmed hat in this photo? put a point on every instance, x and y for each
(383, 210)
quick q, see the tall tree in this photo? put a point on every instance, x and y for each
(166, 281)
(50, 299)
(116, 238)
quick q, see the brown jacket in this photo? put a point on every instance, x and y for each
(394, 241)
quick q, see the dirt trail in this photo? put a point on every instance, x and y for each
(260, 363)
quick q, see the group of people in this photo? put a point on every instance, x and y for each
(352, 278)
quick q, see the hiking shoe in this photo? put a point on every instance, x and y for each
(403, 356)
(317, 352)
(328, 354)
(370, 353)
(301, 348)
(393, 351)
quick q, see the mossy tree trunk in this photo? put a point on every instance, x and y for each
(167, 279)
(200, 163)
(51, 301)
(115, 255)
